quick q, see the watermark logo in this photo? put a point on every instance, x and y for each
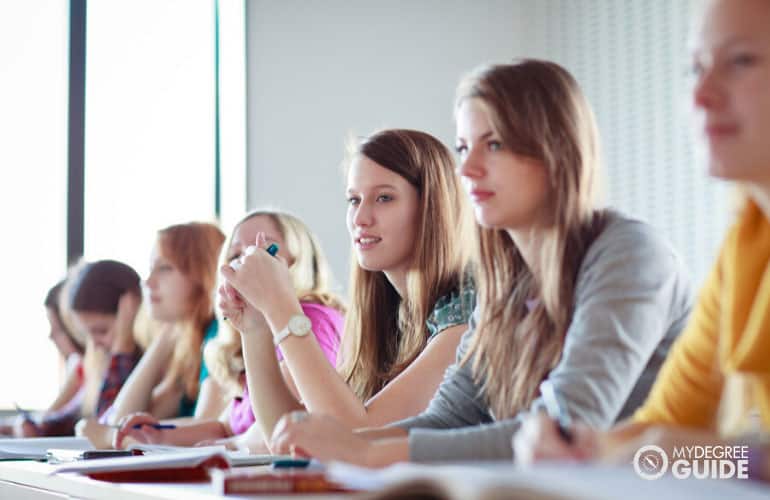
(700, 462)
(650, 462)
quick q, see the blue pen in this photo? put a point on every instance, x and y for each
(155, 426)
(556, 411)
(272, 249)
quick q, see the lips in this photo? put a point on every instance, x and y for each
(720, 130)
(366, 241)
(480, 195)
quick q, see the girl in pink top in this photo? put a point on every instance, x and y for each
(310, 275)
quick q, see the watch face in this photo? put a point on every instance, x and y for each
(299, 325)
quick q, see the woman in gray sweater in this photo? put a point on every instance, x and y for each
(585, 298)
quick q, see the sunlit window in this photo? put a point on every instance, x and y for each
(33, 189)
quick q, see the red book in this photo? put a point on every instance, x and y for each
(261, 481)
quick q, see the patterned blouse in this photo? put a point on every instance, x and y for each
(454, 308)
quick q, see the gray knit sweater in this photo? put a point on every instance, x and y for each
(632, 299)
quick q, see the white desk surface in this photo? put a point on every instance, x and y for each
(31, 481)
(16, 475)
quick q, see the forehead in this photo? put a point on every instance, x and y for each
(472, 119)
(365, 173)
(724, 21)
(248, 229)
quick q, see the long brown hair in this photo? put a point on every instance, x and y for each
(540, 113)
(312, 279)
(383, 333)
(192, 248)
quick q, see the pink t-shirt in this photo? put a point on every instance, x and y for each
(327, 324)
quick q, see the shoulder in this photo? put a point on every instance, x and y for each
(453, 308)
(625, 244)
(323, 316)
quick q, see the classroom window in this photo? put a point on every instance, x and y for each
(33, 127)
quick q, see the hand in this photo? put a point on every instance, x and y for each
(263, 281)
(538, 439)
(240, 314)
(320, 437)
(100, 435)
(144, 434)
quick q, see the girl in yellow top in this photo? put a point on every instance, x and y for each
(715, 384)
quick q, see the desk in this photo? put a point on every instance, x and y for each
(31, 481)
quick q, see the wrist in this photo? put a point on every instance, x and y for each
(279, 316)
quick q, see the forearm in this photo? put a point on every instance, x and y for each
(269, 396)
(137, 391)
(377, 433)
(320, 387)
(189, 435)
(384, 452)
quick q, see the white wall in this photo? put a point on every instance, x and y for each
(318, 70)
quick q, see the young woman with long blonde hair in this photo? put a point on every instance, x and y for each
(311, 277)
(584, 298)
(409, 297)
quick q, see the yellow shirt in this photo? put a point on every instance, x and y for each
(727, 338)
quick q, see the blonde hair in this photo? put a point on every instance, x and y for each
(383, 332)
(193, 249)
(312, 279)
(540, 113)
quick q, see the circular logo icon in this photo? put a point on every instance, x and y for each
(650, 462)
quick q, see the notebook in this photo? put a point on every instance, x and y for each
(37, 448)
(258, 481)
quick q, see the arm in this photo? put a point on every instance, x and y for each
(211, 401)
(137, 392)
(68, 391)
(630, 295)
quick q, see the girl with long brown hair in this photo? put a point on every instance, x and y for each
(715, 386)
(409, 302)
(584, 298)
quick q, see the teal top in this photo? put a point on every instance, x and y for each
(187, 405)
(454, 308)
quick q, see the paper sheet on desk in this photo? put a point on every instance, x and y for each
(552, 481)
(37, 448)
(236, 458)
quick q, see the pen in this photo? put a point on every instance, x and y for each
(155, 426)
(26, 415)
(556, 410)
(236, 263)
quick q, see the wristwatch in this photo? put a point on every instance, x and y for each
(299, 325)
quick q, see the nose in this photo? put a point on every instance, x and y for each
(472, 165)
(707, 93)
(364, 216)
(151, 281)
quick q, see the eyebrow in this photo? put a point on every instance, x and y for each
(485, 135)
(378, 186)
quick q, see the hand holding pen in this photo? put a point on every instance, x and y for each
(551, 435)
(141, 427)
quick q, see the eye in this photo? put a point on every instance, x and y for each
(384, 198)
(494, 145)
(353, 200)
(743, 59)
(461, 149)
